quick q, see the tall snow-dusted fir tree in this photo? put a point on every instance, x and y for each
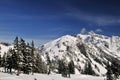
(18, 54)
(0, 57)
(9, 60)
(15, 59)
(109, 72)
(0, 60)
(32, 56)
(48, 63)
(71, 67)
(27, 67)
(4, 62)
(88, 69)
(39, 64)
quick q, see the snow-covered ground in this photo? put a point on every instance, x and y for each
(53, 76)
(6, 76)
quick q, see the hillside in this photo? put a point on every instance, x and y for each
(4, 47)
(91, 47)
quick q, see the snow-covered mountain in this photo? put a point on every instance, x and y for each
(4, 47)
(83, 48)
(92, 47)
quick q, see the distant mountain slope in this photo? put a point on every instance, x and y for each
(4, 47)
(91, 47)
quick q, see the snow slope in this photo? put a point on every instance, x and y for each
(5, 76)
(91, 47)
(4, 48)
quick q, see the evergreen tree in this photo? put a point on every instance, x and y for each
(48, 58)
(16, 45)
(60, 66)
(33, 56)
(109, 72)
(14, 60)
(0, 61)
(23, 56)
(48, 63)
(18, 50)
(28, 59)
(71, 67)
(115, 69)
(88, 69)
(64, 69)
(9, 60)
(4, 62)
(0, 57)
(38, 64)
(16, 55)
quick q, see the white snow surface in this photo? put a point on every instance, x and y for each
(4, 49)
(6, 76)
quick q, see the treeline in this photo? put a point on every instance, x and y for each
(66, 68)
(60, 66)
(24, 58)
(113, 71)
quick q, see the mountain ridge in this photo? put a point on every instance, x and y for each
(92, 47)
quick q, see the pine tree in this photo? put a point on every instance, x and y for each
(88, 69)
(71, 67)
(18, 49)
(109, 72)
(23, 56)
(38, 63)
(4, 62)
(48, 63)
(32, 56)
(9, 60)
(14, 59)
(64, 69)
(0, 57)
(28, 59)
(60, 68)
(16, 55)
(115, 69)
(0, 61)
(16, 45)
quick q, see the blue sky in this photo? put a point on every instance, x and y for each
(45, 20)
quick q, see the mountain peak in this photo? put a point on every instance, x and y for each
(91, 33)
(95, 48)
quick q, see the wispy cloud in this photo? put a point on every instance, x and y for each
(101, 20)
(83, 30)
(98, 30)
